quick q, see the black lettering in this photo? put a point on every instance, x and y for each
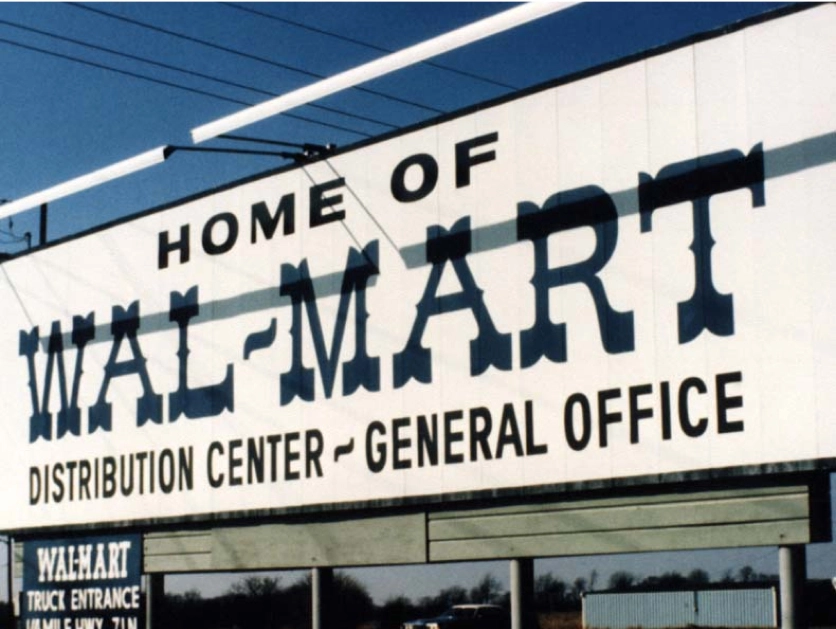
(319, 202)
(464, 159)
(34, 485)
(509, 432)
(273, 441)
(84, 474)
(375, 452)
(400, 443)
(166, 247)
(290, 456)
(636, 413)
(209, 245)
(726, 402)
(58, 483)
(665, 399)
(429, 178)
(108, 477)
(126, 474)
(166, 469)
(186, 468)
(692, 430)
(255, 460)
(532, 448)
(268, 223)
(427, 440)
(451, 437)
(235, 463)
(215, 481)
(71, 467)
(572, 439)
(314, 447)
(606, 418)
(479, 436)
(140, 459)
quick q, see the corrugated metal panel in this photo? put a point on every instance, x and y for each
(708, 608)
(736, 608)
(623, 610)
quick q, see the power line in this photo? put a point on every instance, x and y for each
(192, 90)
(135, 75)
(327, 124)
(365, 44)
(186, 71)
(240, 53)
(382, 66)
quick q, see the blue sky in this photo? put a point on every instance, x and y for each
(64, 118)
(68, 109)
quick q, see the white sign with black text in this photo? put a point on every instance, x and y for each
(632, 274)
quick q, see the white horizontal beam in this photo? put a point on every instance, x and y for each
(114, 171)
(414, 54)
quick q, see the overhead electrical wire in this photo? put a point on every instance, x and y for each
(352, 40)
(245, 55)
(178, 86)
(381, 66)
(186, 71)
(135, 75)
(424, 50)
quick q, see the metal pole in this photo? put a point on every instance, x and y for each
(522, 593)
(792, 574)
(322, 581)
(42, 233)
(10, 573)
(154, 597)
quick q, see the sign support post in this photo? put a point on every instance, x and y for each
(792, 575)
(322, 587)
(154, 596)
(522, 593)
(10, 566)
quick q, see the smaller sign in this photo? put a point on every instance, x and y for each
(82, 583)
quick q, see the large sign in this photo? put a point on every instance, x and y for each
(627, 275)
(82, 583)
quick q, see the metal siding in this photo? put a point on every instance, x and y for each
(736, 608)
(656, 610)
(617, 611)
